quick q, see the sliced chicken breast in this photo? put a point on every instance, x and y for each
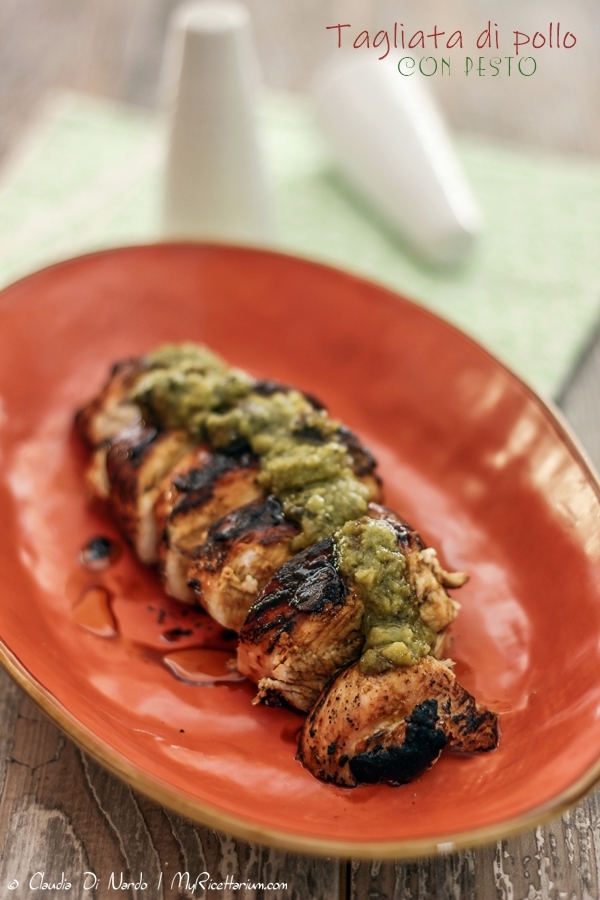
(136, 465)
(303, 628)
(391, 727)
(110, 412)
(307, 623)
(242, 552)
(202, 488)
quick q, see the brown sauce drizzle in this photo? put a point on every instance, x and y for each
(202, 666)
(93, 613)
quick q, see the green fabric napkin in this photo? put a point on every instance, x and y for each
(88, 175)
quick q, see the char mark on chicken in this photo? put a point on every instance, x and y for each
(242, 552)
(303, 628)
(307, 623)
(200, 511)
(364, 463)
(136, 464)
(391, 727)
(202, 488)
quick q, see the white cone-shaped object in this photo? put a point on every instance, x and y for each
(389, 139)
(215, 184)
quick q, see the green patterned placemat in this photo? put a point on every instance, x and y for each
(88, 176)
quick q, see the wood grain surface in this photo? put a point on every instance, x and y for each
(59, 811)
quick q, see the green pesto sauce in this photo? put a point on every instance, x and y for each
(183, 383)
(313, 479)
(395, 635)
(303, 463)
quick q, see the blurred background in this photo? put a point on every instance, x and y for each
(84, 155)
(114, 47)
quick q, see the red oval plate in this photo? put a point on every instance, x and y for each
(478, 463)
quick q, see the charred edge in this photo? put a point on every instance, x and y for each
(318, 588)
(254, 631)
(364, 462)
(305, 583)
(267, 388)
(260, 522)
(407, 536)
(196, 479)
(81, 422)
(122, 462)
(253, 516)
(398, 765)
(197, 485)
(476, 720)
(272, 697)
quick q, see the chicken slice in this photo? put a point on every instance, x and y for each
(367, 729)
(303, 628)
(202, 488)
(244, 551)
(136, 464)
(307, 623)
(111, 411)
(241, 554)
(104, 418)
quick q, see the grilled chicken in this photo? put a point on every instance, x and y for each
(202, 488)
(307, 623)
(104, 418)
(136, 464)
(367, 729)
(202, 515)
(303, 628)
(197, 495)
(111, 412)
(242, 552)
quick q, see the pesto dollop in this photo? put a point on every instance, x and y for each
(368, 555)
(311, 476)
(183, 383)
(304, 462)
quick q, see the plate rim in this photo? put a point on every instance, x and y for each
(207, 814)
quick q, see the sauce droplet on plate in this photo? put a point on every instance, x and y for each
(93, 613)
(200, 666)
(98, 553)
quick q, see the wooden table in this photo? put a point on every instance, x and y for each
(59, 811)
